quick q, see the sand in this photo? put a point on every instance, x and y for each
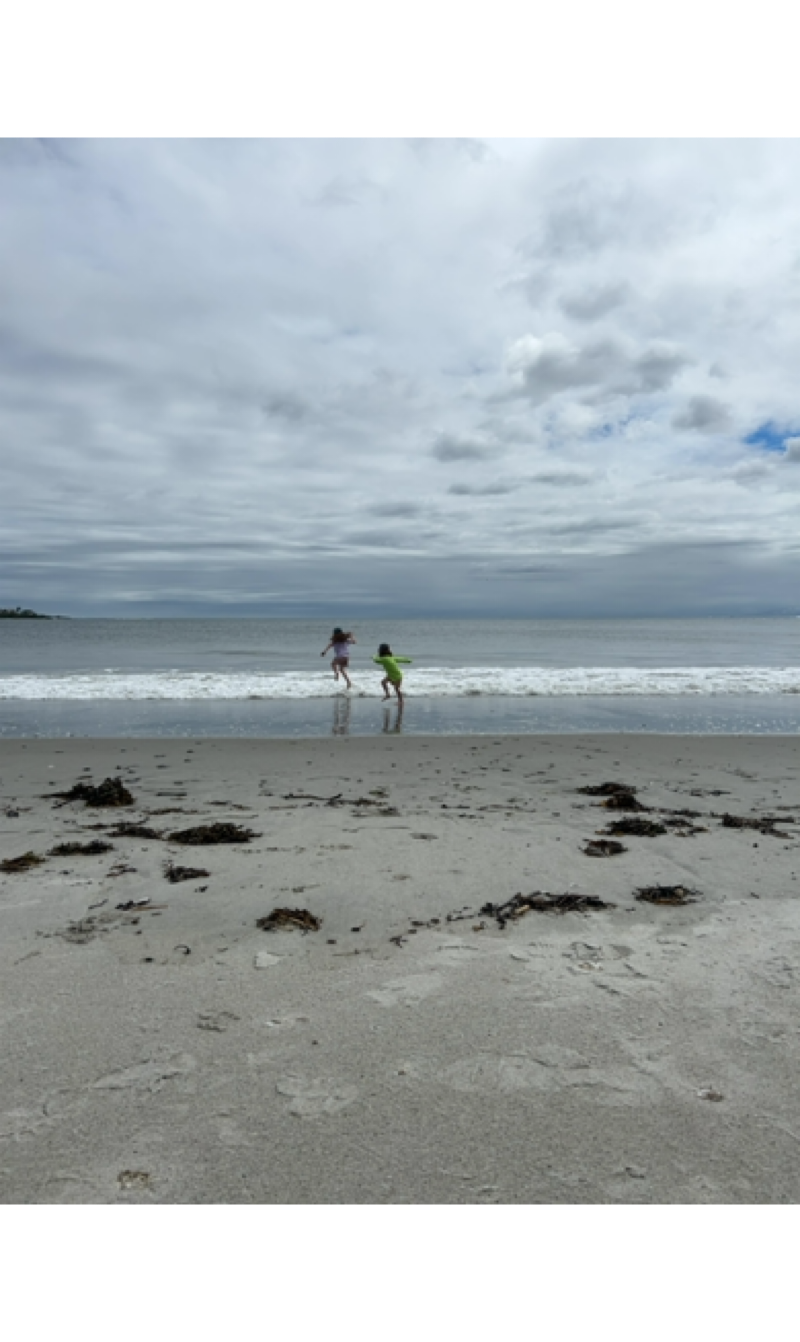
(175, 1052)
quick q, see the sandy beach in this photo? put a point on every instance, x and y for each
(409, 1032)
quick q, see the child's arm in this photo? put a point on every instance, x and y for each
(403, 659)
(324, 650)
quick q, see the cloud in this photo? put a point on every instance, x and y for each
(453, 447)
(287, 407)
(751, 471)
(229, 367)
(703, 414)
(478, 491)
(398, 509)
(587, 305)
(542, 367)
(594, 526)
(430, 150)
(341, 190)
(562, 479)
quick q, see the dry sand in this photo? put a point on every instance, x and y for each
(176, 1053)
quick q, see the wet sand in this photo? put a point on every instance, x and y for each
(412, 1048)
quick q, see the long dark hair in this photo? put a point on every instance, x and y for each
(338, 635)
(384, 650)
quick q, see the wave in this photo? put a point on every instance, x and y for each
(430, 682)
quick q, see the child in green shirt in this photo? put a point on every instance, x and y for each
(394, 675)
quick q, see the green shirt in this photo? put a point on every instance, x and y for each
(391, 668)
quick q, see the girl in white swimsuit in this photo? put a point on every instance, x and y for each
(340, 642)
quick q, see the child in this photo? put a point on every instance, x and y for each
(394, 675)
(340, 642)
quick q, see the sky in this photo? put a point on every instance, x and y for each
(422, 376)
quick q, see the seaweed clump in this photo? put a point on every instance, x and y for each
(669, 897)
(212, 836)
(290, 919)
(16, 866)
(79, 850)
(112, 795)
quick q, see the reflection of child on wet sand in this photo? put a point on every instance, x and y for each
(340, 642)
(394, 676)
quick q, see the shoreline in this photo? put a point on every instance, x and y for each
(411, 1049)
(343, 715)
(552, 738)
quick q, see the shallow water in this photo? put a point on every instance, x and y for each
(266, 677)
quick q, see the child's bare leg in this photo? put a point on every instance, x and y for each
(347, 679)
(399, 694)
(385, 685)
(335, 670)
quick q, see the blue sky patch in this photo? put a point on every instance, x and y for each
(769, 437)
(608, 429)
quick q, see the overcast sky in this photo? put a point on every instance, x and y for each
(438, 377)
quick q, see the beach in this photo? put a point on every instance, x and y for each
(409, 1031)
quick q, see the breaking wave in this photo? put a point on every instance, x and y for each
(428, 682)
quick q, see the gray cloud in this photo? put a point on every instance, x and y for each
(398, 509)
(656, 368)
(750, 471)
(430, 151)
(545, 366)
(30, 360)
(704, 414)
(587, 305)
(394, 537)
(594, 526)
(342, 190)
(592, 214)
(223, 362)
(452, 447)
(478, 491)
(286, 407)
(705, 579)
(562, 479)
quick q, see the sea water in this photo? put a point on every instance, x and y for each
(265, 677)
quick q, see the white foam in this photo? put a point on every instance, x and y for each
(429, 682)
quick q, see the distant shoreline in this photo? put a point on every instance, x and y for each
(19, 614)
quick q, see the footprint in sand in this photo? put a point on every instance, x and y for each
(17, 1124)
(778, 972)
(149, 1075)
(487, 1073)
(218, 1021)
(230, 1134)
(311, 1097)
(286, 1022)
(407, 991)
(458, 953)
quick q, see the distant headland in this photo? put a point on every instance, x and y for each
(19, 614)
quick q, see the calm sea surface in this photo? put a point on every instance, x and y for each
(240, 677)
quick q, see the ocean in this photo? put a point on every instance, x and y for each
(265, 677)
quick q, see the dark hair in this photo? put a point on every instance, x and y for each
(337, 635)
(384, 650)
